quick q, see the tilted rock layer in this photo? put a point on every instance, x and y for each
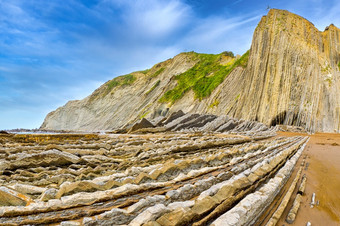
(173, 178)
(291, 77)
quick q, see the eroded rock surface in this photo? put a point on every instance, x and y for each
(189, 176)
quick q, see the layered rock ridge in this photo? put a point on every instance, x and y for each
(176, 178)
(290, 76)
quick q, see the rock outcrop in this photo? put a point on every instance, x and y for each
(9, 197)
(180, 122)
(171, 178)
(290, 76)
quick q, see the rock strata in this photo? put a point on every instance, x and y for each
(170, 178)
(9, 197)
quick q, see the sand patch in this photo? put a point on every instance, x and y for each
(323, 178)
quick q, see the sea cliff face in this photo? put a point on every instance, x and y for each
(290, 76)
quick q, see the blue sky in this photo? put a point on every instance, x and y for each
(54, 51)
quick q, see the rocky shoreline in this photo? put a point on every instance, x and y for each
(177, 171)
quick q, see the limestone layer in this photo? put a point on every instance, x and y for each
(173, 178)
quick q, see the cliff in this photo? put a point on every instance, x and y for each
(289, 76)
(293, 75)
(167, 87)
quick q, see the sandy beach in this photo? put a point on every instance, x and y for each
(323, 179)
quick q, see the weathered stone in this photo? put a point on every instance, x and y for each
(204, 205)
(302, 185)
(144, 123)
(45, 158)
(150, 214)
(70, 223)
(78, 186)
(152, 223)
(172, 116)
(225, 220)
(225, 192)
(28, 189)
(146, 202)
(194, 171)
(49, 194)
(96, 159)
(185, 204)
(180, 216)
(3, 165)
(293, 211)
(9, 197)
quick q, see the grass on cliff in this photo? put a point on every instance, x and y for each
(204, 77)
(339, 66)
(157, 73)
(123, 80)
(153, 87)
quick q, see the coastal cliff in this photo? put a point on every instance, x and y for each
(289, 76)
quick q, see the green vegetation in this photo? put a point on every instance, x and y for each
(228, 53)
(339, 65)
(204, 77)
(329, 80)
(144, 112)
(145, 71)
(144, 115)
(153, 87)
(214, 104)
(157, 73)
(123, 80)
(326, 69)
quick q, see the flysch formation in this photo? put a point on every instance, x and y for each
(211, 171)
(181, 122)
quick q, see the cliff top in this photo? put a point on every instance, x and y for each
(280, 14)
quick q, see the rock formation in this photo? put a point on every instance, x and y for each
(180, 177)
(290, 76)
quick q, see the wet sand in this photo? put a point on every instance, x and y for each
(323, 178)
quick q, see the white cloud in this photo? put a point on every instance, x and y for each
(217, 34)
(154, 18)
(158, 18)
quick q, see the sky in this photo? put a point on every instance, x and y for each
(55, 51)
